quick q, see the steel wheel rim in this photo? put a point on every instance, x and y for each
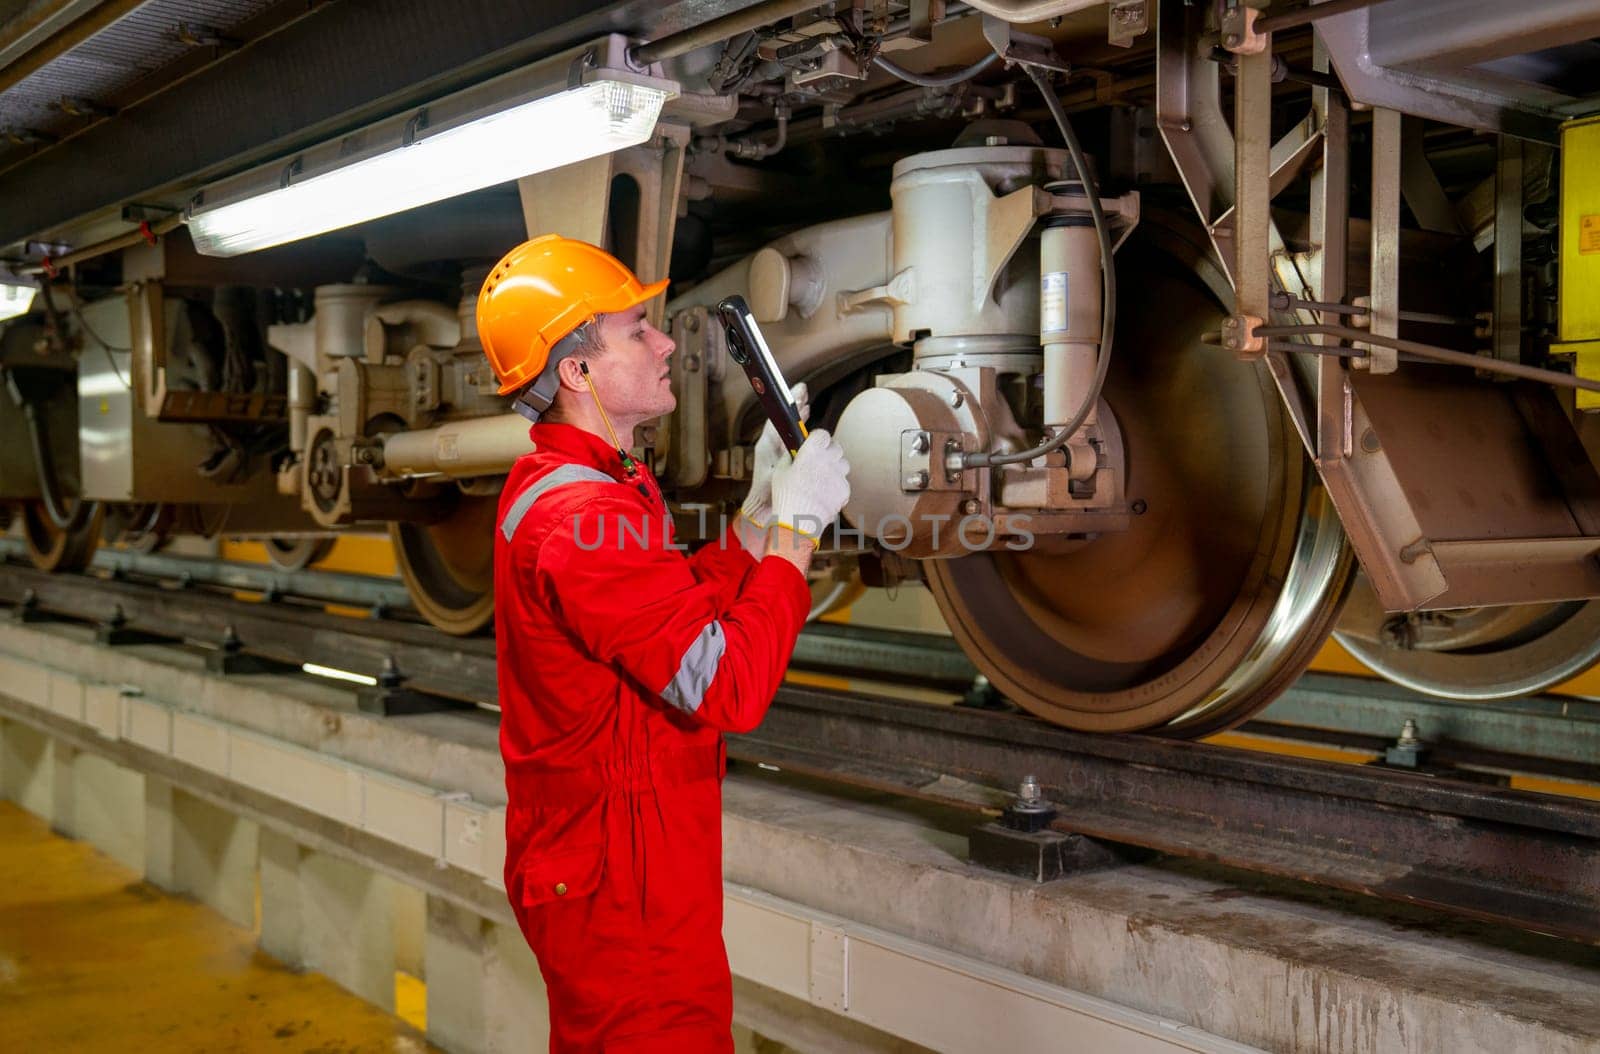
(448, 567)
(1247, 657)
(1485, 672)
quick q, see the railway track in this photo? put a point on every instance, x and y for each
(1462, 847)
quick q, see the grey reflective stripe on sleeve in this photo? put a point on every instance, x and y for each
(558, 477)
(688, 688)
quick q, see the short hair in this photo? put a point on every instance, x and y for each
(588, 334)
(590, 346)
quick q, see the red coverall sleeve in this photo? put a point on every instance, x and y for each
(725, 564)
(640, 608)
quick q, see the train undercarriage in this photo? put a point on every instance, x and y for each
(1294, 343)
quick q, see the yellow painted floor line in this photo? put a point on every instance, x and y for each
(93, 959)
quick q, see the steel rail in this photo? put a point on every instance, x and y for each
(1529, 860)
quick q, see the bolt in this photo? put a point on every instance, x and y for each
(1139, 507)
(1186, 126)
(1369, 441)
(920, 443)
(957, 398)
(970, 507)
(1408, 734)
(364, 455)
(917, 480)
(1028, 792)
(1232, 40)
(691, 323)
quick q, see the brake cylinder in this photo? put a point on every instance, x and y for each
(1070, 289)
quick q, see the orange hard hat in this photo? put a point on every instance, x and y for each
(540, 292)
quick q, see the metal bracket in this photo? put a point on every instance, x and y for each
(1239, 336)
(1239, 33)
(1022, 49)
(1126, 21)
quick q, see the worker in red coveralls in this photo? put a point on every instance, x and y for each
(622, 659)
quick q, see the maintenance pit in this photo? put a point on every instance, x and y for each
(853, 919)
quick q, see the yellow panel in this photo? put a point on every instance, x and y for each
(1334, 659)
(361, 554)
(1586, 364)
(1579, 291)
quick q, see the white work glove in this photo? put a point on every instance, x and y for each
(808, 492)
(770, 453)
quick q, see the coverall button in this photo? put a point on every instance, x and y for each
(561, 889)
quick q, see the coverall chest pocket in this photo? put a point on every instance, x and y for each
(563, 874)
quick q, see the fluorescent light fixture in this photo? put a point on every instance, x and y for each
(338, 675)
(15, 299)
(579, 105)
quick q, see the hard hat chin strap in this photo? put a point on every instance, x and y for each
(534, 400)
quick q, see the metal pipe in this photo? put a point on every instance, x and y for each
(1311, 12)
(1031, 10)
(1331, 350)
(718, 29)
(1433, 353)
(754, 149)
(478, 446)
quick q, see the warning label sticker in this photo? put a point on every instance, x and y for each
(1053, 300)
(1589, 233)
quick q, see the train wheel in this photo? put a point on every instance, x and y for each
(297, 553)
(51, 548)
(448, 566)
(1472, 654)
(1228, 581)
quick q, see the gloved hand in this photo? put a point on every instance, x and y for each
(770, 453)
(809, 492)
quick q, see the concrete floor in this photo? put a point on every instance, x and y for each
(94, 959)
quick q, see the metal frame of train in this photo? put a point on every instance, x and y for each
(1164, 338)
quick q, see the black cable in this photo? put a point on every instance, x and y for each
(935, 80)
(1108, 310)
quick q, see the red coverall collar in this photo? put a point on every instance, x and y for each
(571, 443)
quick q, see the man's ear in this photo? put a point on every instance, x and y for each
(571, 374)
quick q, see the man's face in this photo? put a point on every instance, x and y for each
(631, 377)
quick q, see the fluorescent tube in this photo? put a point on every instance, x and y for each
(15, 300)
(571, 125)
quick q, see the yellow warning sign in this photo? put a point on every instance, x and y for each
(1589, 233)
